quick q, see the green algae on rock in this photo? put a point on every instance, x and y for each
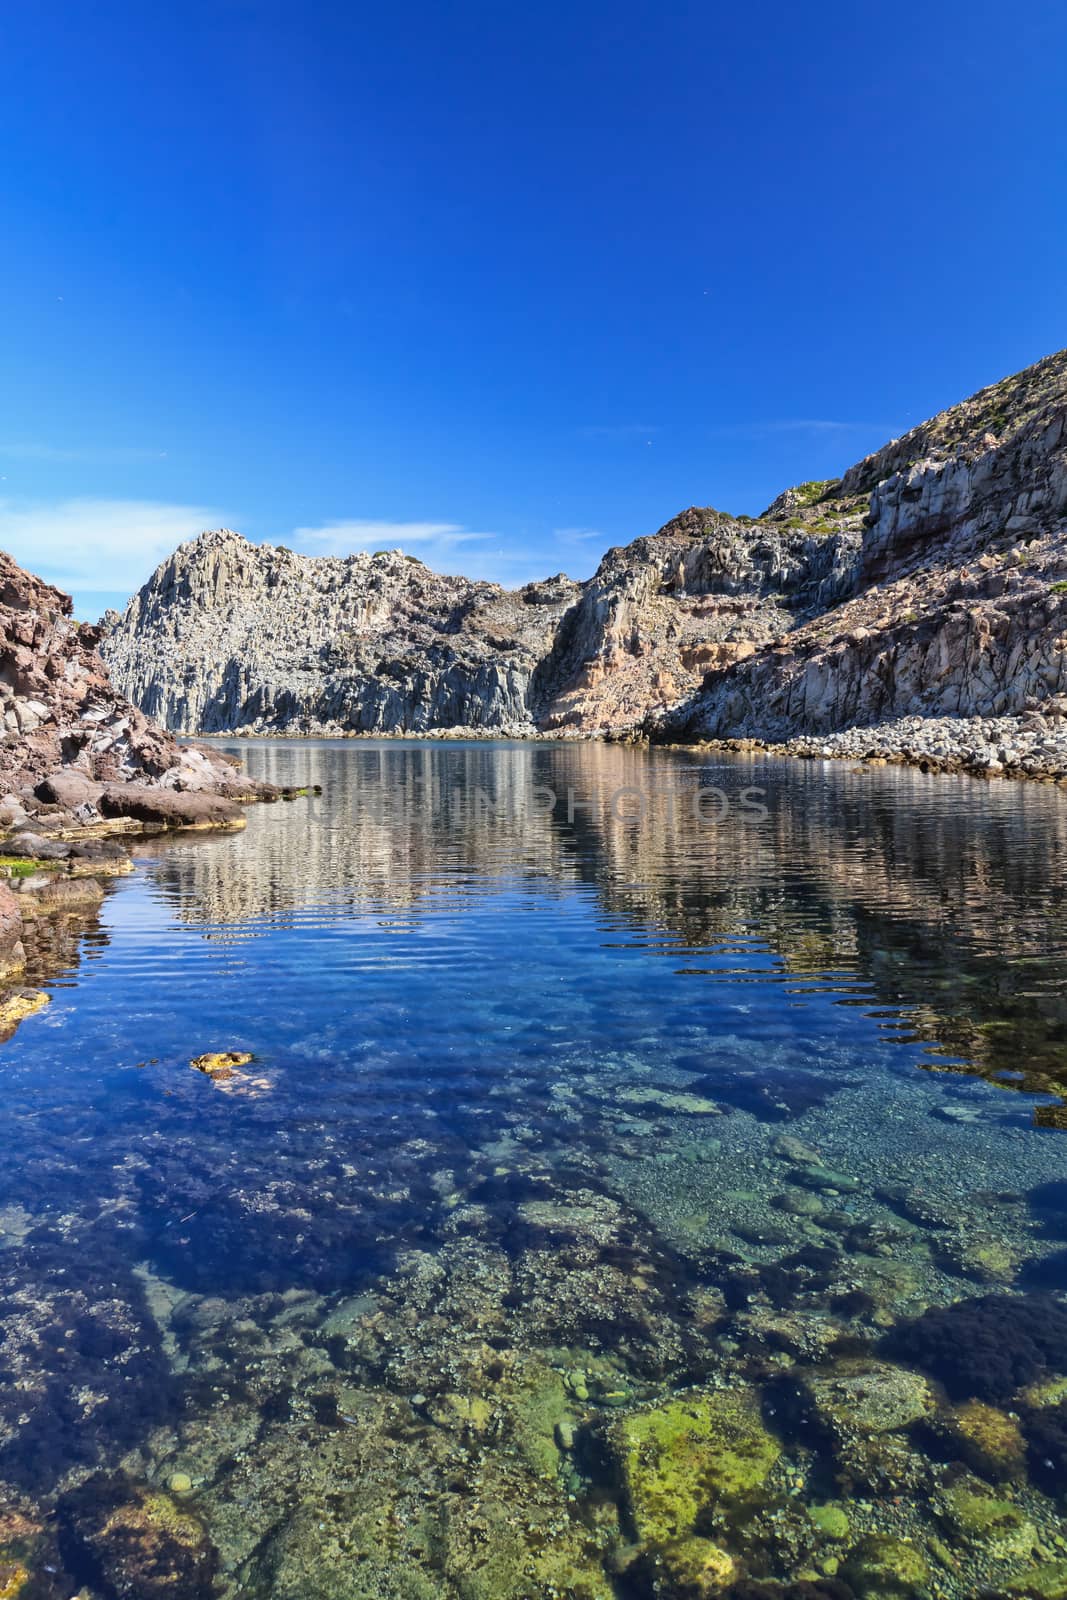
(997, 1527)
(831, 1520)
(988, 1440)
(696, 1451)
(1046, 1582)
(882, 1567)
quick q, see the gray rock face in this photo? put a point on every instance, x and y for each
(930, 580)
(228, 635)
(961, 603)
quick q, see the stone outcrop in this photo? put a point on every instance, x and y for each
(78, 763)
(230, 635)
(67, 733)
(961, 599)
(931, 580)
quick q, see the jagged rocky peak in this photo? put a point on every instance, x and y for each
(228, 634)
(968, 430)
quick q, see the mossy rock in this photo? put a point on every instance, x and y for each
(24, 867)
(138, 1541)
(13, 1579)
(997, 1527)
(988, 1440)
(1047, 1582)
(17, 1006)
(1046, 1392)
(884, 1568)
(541, 1410)
(831, 1521)
(696, 1568)
(698, 1450)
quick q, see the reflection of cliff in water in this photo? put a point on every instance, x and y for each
(57, 943)
(940, 897)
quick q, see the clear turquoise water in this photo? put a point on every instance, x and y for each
(506, 1171)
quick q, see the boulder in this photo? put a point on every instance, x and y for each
(170, 808)
(69, 787)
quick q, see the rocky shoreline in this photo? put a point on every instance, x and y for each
(1030, 747)
(929, 581)
(82, 771)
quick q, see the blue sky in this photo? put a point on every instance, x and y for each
(502, 285)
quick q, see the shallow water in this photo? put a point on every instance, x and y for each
(583, 1078)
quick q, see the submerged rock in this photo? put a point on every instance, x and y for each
(868, 1397)
(997, 1527)
(988, 1440)
(1046, 1582)
(220, 1063)
(19, 1005)
(881, 1567)
(699, 1450)
(138, 1543)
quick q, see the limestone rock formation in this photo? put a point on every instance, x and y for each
(960, 606)
(228, 634)
(930, 579)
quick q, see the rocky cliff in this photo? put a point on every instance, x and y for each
(960, 605)
(228, 634)
(931, 579)
(231, 635)
(79, 764)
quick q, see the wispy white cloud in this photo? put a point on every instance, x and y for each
(436, 541)
(29, 450)
(579, 535)
(766, 429)
(87, 546)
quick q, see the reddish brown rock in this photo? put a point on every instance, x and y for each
(169, 807)
(12, 955)
(67, 738)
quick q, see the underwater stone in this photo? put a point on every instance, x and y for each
(180, 1483)
(696, 1451)
(831, 1521)
(1049, 1392)
(987, 1260)
(825, 1178)
(139, 1542)
(16, 1007)
(220, 1063)
(693, 1105)
(792, 1149)
(800, 1205)
(13, 1579)
(986, 1439)
(884, 1568)
(697, 1568)
(997, 1526)
(1047, 1582)
(868, 1397)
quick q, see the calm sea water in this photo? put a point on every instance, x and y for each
(613, 1119)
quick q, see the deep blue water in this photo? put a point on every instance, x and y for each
(528, 1025)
